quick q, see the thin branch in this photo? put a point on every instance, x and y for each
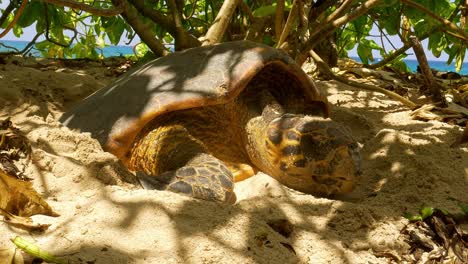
(328, 72)
(391, 57)
(254, 33)
(26, 49)
(408, 44)
(164, 21)
(460, 33)
(155, 15)
(180, 39)
(323, 25)
(319, 7)
(342, 8)
(246, 10)
(118, 9)
(303, 20)
(13, 22)
(279, 18)
(464, 24)
(218, 28)
(46, 14)
(132, 37)
(292, 17)
(194, 8)
(324, 31)
(382, 35)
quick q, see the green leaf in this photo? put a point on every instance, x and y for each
(17, 30)
(426, 212)
(360, 26)
(114, 28)
(464, 208)
(31, 13)
(141, 49)
(268, 10)
(437, 43)
(400, 66)
(8, 20)
(364, 52)
(459, 60)
(411, 217)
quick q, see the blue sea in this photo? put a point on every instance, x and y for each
(112, 51)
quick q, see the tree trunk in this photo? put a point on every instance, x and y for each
(431, 83)
(218, 28)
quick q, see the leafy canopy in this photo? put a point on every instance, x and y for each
(72, 33)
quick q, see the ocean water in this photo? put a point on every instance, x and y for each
(112, 51)
(109, 51)
(434, 64)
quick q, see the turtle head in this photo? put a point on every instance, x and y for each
(310, 154)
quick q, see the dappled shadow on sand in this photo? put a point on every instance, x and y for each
(405, 165)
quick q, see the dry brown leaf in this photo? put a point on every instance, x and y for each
(14, 145)
(23, 222)
(19, 198)
(11, 256)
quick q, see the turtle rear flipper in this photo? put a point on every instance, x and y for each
(204, 177)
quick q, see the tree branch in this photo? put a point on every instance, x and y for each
(292, 17)
(180, 39)
(460, 33)
(118, 9)
(13, 22)
(328, 72)
(396, 53)
(408, 44)
(431, 83)
(218, 28)
(246, 9)
(46, 14)
(325, 30)
(342, 8)
(164, 21)
(130, 14)
(279, 18)
(26, 49)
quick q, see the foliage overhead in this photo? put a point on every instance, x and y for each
(295, 26)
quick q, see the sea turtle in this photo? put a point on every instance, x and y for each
(196, 121)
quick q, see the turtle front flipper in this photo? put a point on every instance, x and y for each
(203, 177)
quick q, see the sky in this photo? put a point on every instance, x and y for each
(30, 32)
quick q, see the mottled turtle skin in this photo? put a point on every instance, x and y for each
(196, 121)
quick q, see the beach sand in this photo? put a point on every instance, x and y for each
(104, 219)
